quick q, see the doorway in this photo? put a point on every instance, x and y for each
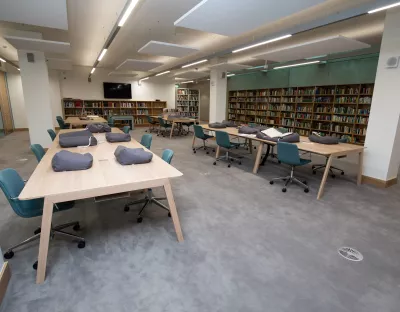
(6, 120)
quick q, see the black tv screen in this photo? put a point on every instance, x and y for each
(117, 90)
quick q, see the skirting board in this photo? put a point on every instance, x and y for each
(379, 183)
(27, 129)
(5, 276)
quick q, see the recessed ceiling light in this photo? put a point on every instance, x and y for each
(102, 54)
(299, 64)
(127, 12)
(384, 8)
(195, 63)
(261, 43)
(93, 69)
(2, 60)
(163, 73)
(18, 69)
(190, 81)
(230, 75)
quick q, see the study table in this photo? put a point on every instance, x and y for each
(76, 121)
(176, 121)
(106, 177)
(330, 151)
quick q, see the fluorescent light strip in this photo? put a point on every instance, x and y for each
(144, 79)
(384, 8)
(102, 54)
(195, 63)
(93, 69)
(318, 56)
(127, 12)
(190, 81)
(261, 43)
(163, 73)
(230, 75)
(299, 64)
(3, 60)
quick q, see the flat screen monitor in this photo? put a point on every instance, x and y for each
(117, 90)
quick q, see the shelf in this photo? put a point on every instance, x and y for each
(345, 114)
(322, 120)
(323, 113)
(324, 103)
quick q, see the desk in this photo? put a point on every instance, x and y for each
(330, 151)
(75, 121)
(176, 121)
(105, 177)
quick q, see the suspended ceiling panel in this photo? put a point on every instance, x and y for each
(118, 74)
(45, 13)
(228, 66)
(138, 65)
(323, 46)
(232, 18)
(59, 64)
(166, 49)
(31, 44)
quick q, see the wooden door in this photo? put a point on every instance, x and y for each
(5, 108)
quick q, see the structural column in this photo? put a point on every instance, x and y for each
(218, 90)
(36, 90)
(382, 153)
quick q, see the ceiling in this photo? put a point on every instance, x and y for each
(90, 22)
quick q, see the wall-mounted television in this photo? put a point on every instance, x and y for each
(117, 90)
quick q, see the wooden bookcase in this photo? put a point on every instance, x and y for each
(107, 108)
(338, 110)
(188, 101)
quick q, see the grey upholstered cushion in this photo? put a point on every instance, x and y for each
(77, 138)
(291, 138)
(118, 137)
(217, 125)
(229, 123)
(130, 156)
(98, 127)
(323, 139)
(68, 161)
(248, 130)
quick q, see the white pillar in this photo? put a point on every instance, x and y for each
(218, 92)
(382, 153)
(36, 89)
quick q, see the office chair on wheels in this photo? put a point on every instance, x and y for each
(224, 141)
(52, 134)
(38, 150)
(199, 133)
(152, 124)
(165, 125)
(12, 185)
(61, 123)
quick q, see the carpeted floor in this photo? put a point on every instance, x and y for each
(248, 246)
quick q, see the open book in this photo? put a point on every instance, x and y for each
(274, 133)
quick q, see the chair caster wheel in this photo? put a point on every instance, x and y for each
(194, 152)
(229, 166)
(314, 172)
(271, 182)
(342, 173)
(284, 190)
(76, 227)
(306, 190)
(81, 244)
(139, 220)
(126, 208)
(207, 153)
(169, 214)
(213, 150)
(255, 147)
(279, 162)
(34, 266)
(333, 176)
(305, 182)
(240, 162)
(37, 231)
(9, 254)
(214, 163)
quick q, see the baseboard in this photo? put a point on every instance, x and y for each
(21, 129)
(379, 183)
(5, 276)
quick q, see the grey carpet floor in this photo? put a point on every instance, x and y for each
(248, 246)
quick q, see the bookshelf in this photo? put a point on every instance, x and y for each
(337, 110)
(137, 109)
(188, 101)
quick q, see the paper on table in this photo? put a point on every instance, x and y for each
(273, 133)
(247, 135)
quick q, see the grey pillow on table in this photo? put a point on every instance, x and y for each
(118, 137)
(98, 128)
(229, 123)
(248, 130)
(132, 156)
(291, 138)
(68, 161)
(217, 125)
(323, 139)
(78, 138)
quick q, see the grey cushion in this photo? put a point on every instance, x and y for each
(98, 128)
(229, 123)
(77, 138)
(323, 139)
(132, 156)
(217, 125)
(291, 138)
(68, 161)
(118, 137)
(248, 130)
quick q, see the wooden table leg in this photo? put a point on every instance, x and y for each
(324, 177)
(251, 146)
(173, 211)
(70, 125)
(194, 139)
(258, 157)
(44, 240)
(172, 130)
(360, 167)
(217, 153)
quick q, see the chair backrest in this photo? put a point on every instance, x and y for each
(283, 130)
(52, 134)
(252, 124)
(149, 119)
(126, 129)
(146, 140)
(222, 139)
(198, 132)
(110, 121)
(167, 155)
(61, 122)
(288, 153)
(12, 185)
(161, 121)
(344, 139)
(38, 150)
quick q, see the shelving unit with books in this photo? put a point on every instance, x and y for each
(188, 101)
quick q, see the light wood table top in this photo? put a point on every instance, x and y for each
(176, 119)
(79, 122)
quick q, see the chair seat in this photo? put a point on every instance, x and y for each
(304, 161)
(234, 144)
(207, 136)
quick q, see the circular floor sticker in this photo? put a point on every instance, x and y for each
(350, 254)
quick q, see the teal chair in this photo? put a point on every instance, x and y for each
(52, 134)
(61, 123)
(163, 124)
(289, 154)
(110, 121)
(146, 140)
(152, 124)
(199, 134)
(150, 198)
(12, 184)
(38, 150)
(223, 141)
(126, 129)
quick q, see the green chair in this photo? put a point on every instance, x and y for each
(150, 198)
(12, 185)
(52, 134)
(126, 129)
(38, 150)
(110, 121)
(223, 141)
(199, 133)
(146, 140)
(152, 124)
(188, 125)
(61, 123)
(289, 154)
(164, 125)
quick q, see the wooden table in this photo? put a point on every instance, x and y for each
(330, 151)
(176, 121)
(105, 177)
(75, 121)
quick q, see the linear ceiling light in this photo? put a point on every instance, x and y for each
(102, 54)
(2, 60)
(163, 73)
(261, 43)
(195, 63)
(190, 81)
(299, 64)
(93, 69)
(230, 75)
(127, 12)
(384, 8)
(144, 78)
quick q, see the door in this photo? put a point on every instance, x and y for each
(5, 109)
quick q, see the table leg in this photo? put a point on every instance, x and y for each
(173, 211)
(258, 157)
(360, 167)
(266, 155)
(217, 153)
(251, 146)
(44, 240)
(194, 139)
(70, 125)
(172, 130)
(325, 176)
